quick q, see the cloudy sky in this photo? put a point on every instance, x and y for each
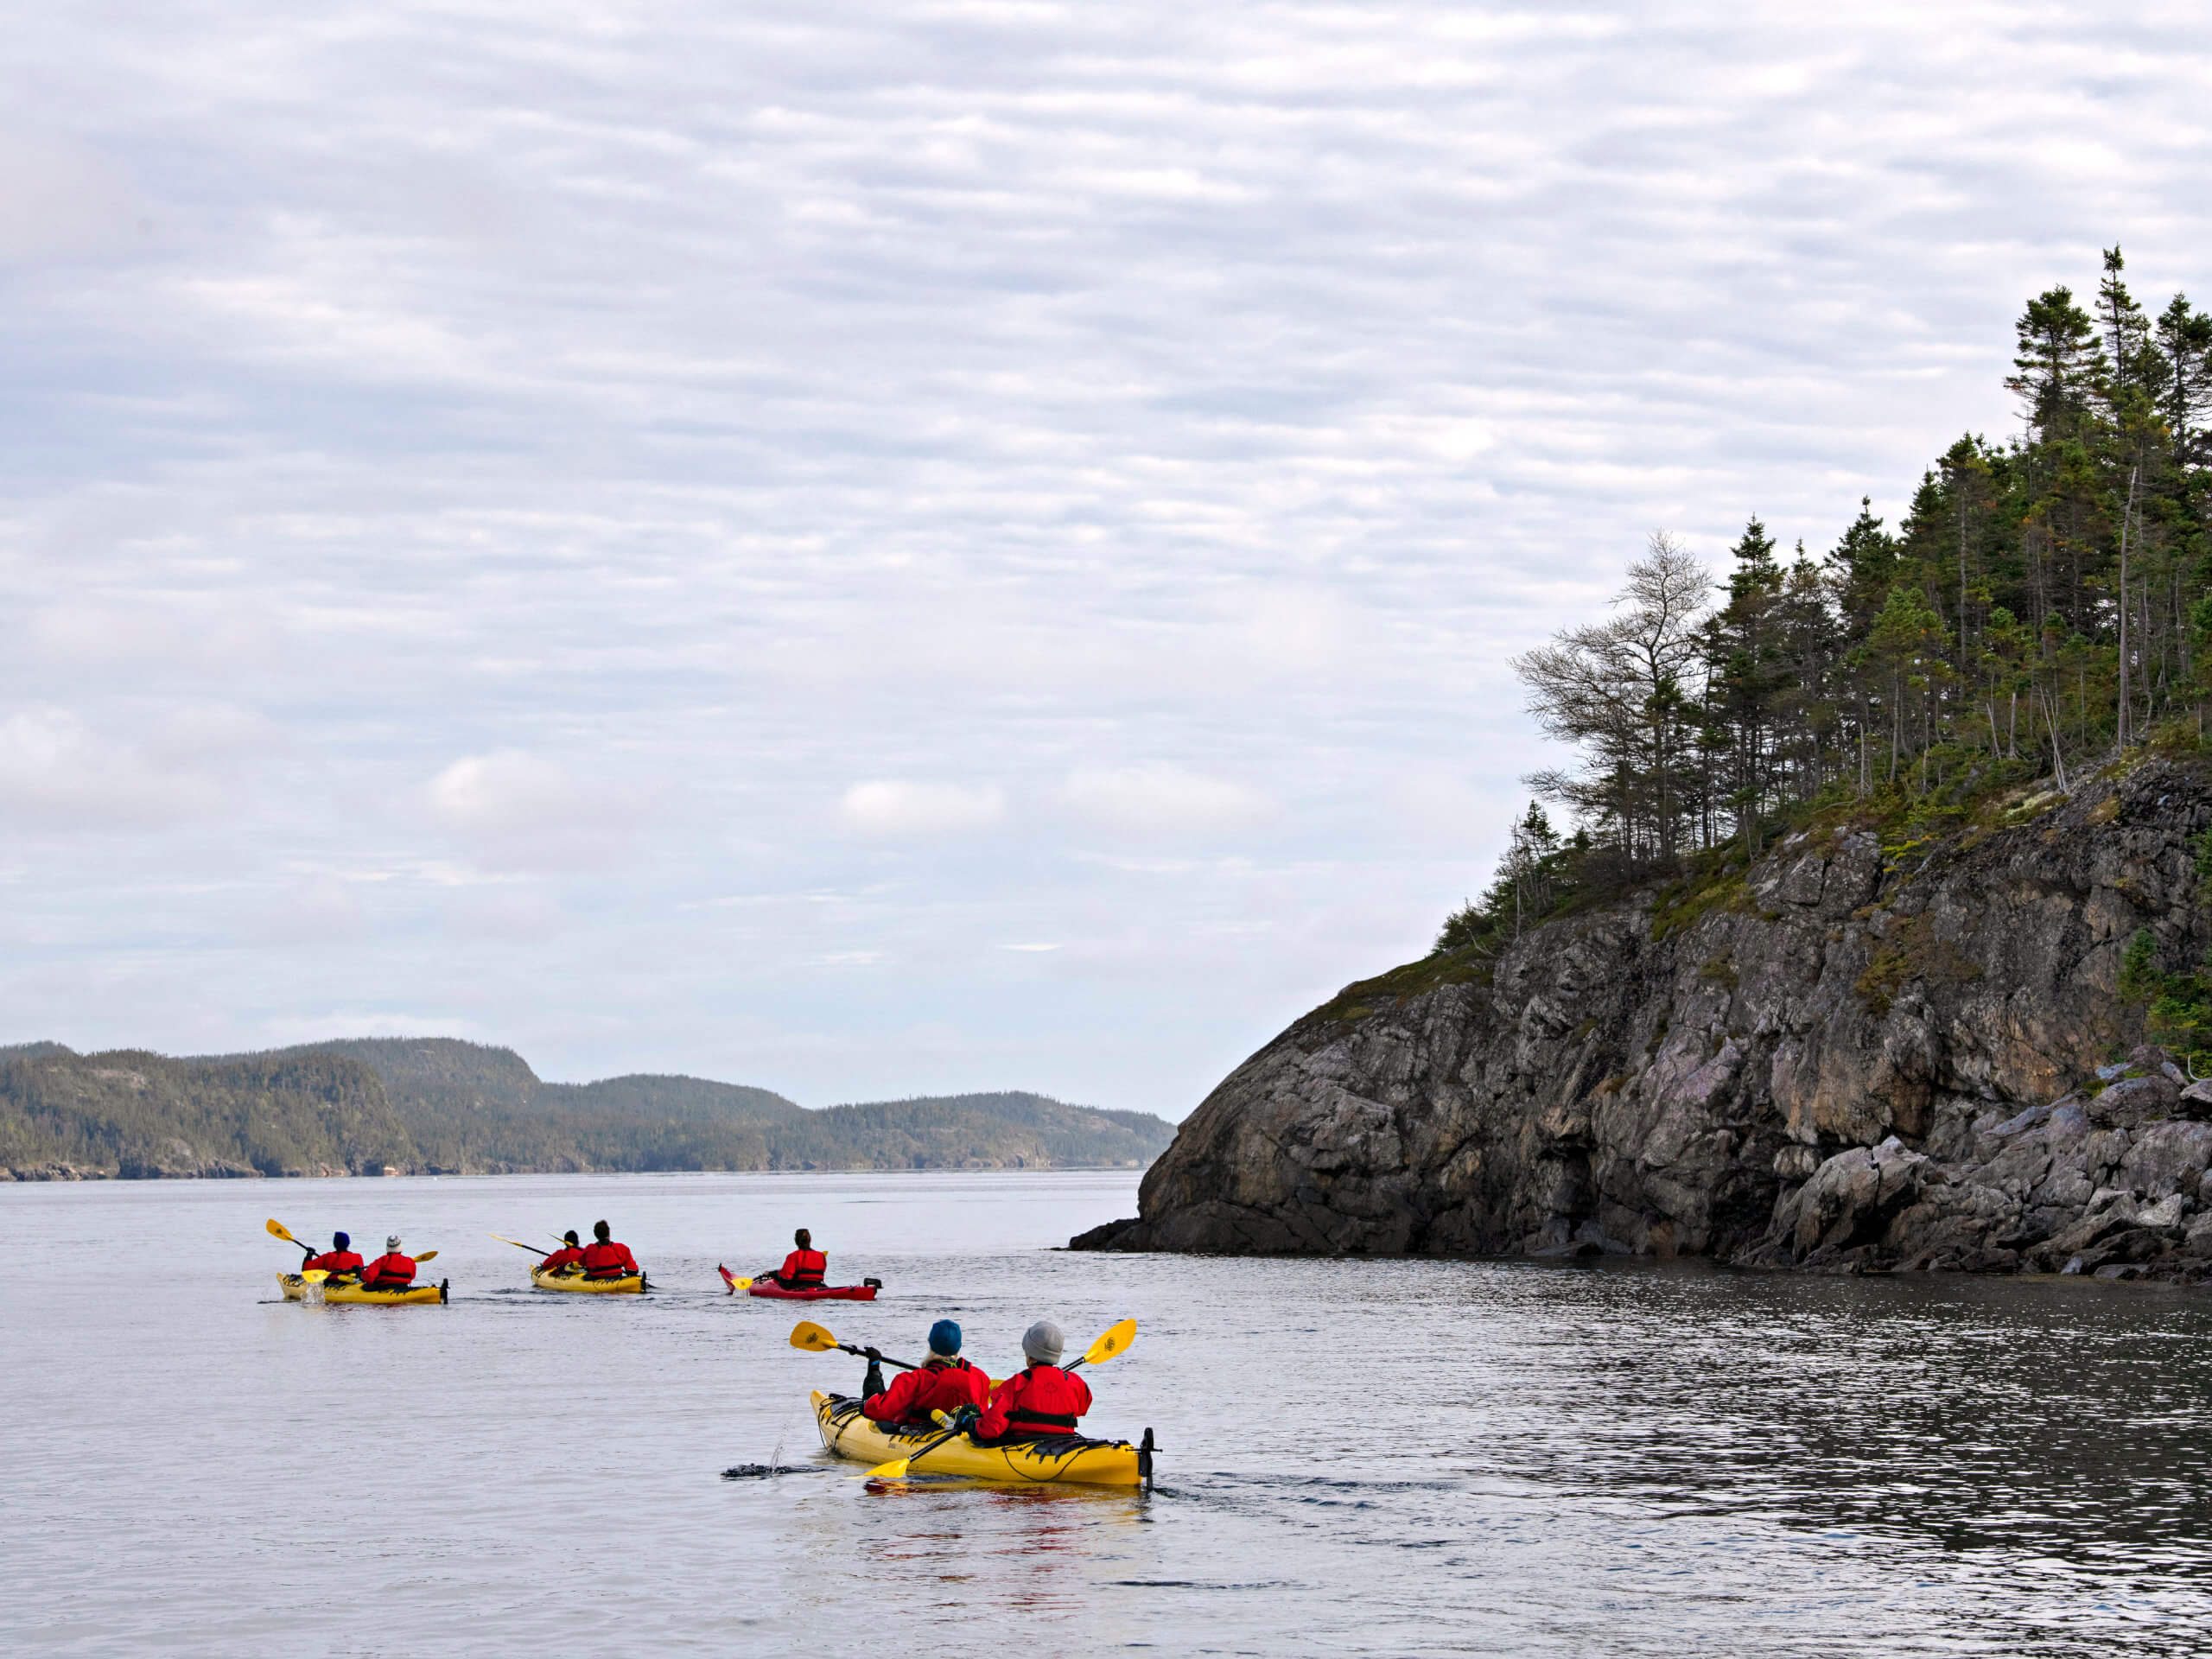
(875, 549)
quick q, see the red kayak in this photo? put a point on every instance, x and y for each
(864, 1292)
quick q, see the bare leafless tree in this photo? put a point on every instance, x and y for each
(1614, 690)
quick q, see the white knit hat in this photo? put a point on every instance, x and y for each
(392, 1243)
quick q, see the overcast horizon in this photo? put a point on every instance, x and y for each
(924, 549)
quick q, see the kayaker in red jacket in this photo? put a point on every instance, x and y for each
(570, 1255)
(944, 1382)
(803, 1267)
(341, 1257)
(390, 1271)
(604, 1259)
(1040, 1401)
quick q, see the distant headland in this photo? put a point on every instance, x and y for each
(440, 1106)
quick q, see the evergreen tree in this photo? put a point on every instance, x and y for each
(2059, 365)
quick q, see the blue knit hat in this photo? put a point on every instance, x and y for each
(339, 1242)
(944, 1337)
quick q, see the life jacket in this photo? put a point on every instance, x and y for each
(604, 1259)
(1043, 1400)
(567, 1256)
(392, 1272)
(802, 1270)
(333, 1262)
(941, 1385)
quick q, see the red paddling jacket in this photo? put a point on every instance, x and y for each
(336, 1262)
(567, 1256)
(392, 1272)
(1043, 1400)
(607, 1260)
(802, 1270)
(941, 1385)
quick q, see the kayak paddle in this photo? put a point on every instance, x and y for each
(277, 1229)
(815, 1340)
(730, 1279)
(1115, 1340)
(315, 1275)
(519, 1245)
(896, 1469)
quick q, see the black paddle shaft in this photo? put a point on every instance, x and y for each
(886, 1358)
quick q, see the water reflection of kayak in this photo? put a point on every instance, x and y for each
(297, 1289)
(861, 1293)
(1066, 1458)
(631, 1285)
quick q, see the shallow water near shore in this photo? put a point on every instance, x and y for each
(1361, 1457)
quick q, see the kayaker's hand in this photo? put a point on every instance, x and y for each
(872, 1357)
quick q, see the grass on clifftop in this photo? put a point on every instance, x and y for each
(1977, 797)
(1470, 966)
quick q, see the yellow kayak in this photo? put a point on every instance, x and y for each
(1029, 1463)
(634, 1284)
(297, 1289)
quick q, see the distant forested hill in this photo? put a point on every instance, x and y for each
(439, 1105)
(136, 1115)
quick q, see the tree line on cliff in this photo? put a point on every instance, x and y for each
(2045, 604)
(440, 1105)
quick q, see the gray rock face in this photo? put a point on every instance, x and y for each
(1836, 1059)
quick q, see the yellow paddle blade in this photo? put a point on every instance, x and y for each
(1114, 1342)
(427, 1255)
(517, 1243)
(813, 1339)
(896, 1469)
(315, 1275)
(277, 1230)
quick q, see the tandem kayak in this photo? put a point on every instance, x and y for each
(864, 1292)
(632, 1285)
(1063, 1458)
(297, 1289)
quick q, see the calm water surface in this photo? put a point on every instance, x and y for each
(1388, 1458)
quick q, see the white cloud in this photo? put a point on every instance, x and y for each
(1161, 801)
(59, 200)
(513, 809)
(56, 771)
(312, 911)
(891, 808)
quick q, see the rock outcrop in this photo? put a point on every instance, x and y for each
(1844, 1056)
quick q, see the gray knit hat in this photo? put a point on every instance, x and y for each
(392, 1243)
(1042, 1342)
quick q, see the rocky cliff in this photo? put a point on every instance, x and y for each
(1844, 1056)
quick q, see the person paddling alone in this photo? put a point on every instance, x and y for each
(605, 1259)
(803, 1267)
(1041, 1400)
(570, 1255)
(944, 1382)
(341, 1257)
(390, 1271)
